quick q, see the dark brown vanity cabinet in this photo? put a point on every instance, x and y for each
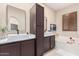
(46, 44)
(23, 48)
(37, 27)
(49, 43)
(27, 48)
(12, 49)
(52, 41)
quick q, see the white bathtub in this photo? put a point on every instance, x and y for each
(71, 49)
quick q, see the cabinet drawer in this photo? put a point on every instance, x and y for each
(52, 41)
(27, 42)
(10, 49)
(46, 44)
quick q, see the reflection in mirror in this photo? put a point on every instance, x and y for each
(45, 24)
(13, 23)
(16, 20)
(52, 27)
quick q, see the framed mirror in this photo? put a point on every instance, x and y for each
(16, 19)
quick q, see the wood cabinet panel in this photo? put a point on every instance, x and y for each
(39, 15)
(39, 46)
(37, 19)
(27, 48)
(49, 43)
(52, 41)
(46, 44)
(39, 30)
(24, 48)
(10, 49)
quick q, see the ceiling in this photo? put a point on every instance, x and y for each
(58, 6)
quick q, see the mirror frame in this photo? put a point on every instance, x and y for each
(13, 16)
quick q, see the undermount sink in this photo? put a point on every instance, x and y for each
(3, 40)
(14, 38)
(21, 36)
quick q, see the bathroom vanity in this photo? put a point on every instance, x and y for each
(49, 43)
(25, 46)
(18, 47)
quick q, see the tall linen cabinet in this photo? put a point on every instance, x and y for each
(37, 27)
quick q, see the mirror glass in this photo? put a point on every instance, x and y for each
(45, 24)
(16, 20)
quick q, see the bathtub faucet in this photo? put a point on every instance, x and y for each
(71, 39)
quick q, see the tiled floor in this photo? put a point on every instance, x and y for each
(52, 53)
(58, 52)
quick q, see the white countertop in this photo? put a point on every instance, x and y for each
(49, 34)
(21, 37)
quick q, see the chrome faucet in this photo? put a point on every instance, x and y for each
(17, 31)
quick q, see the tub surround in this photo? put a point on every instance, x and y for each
(61, 43)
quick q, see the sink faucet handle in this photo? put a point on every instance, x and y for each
(27, 33)
(17, 31)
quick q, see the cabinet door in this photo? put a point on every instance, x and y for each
(27, 48)
(39, 30)
(39, 15)
(52, 41)
(10, 49)
(37, 27)
(46, 44)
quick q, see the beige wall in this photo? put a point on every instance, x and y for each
(50, 14)
(2, 15)
(59, 20)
